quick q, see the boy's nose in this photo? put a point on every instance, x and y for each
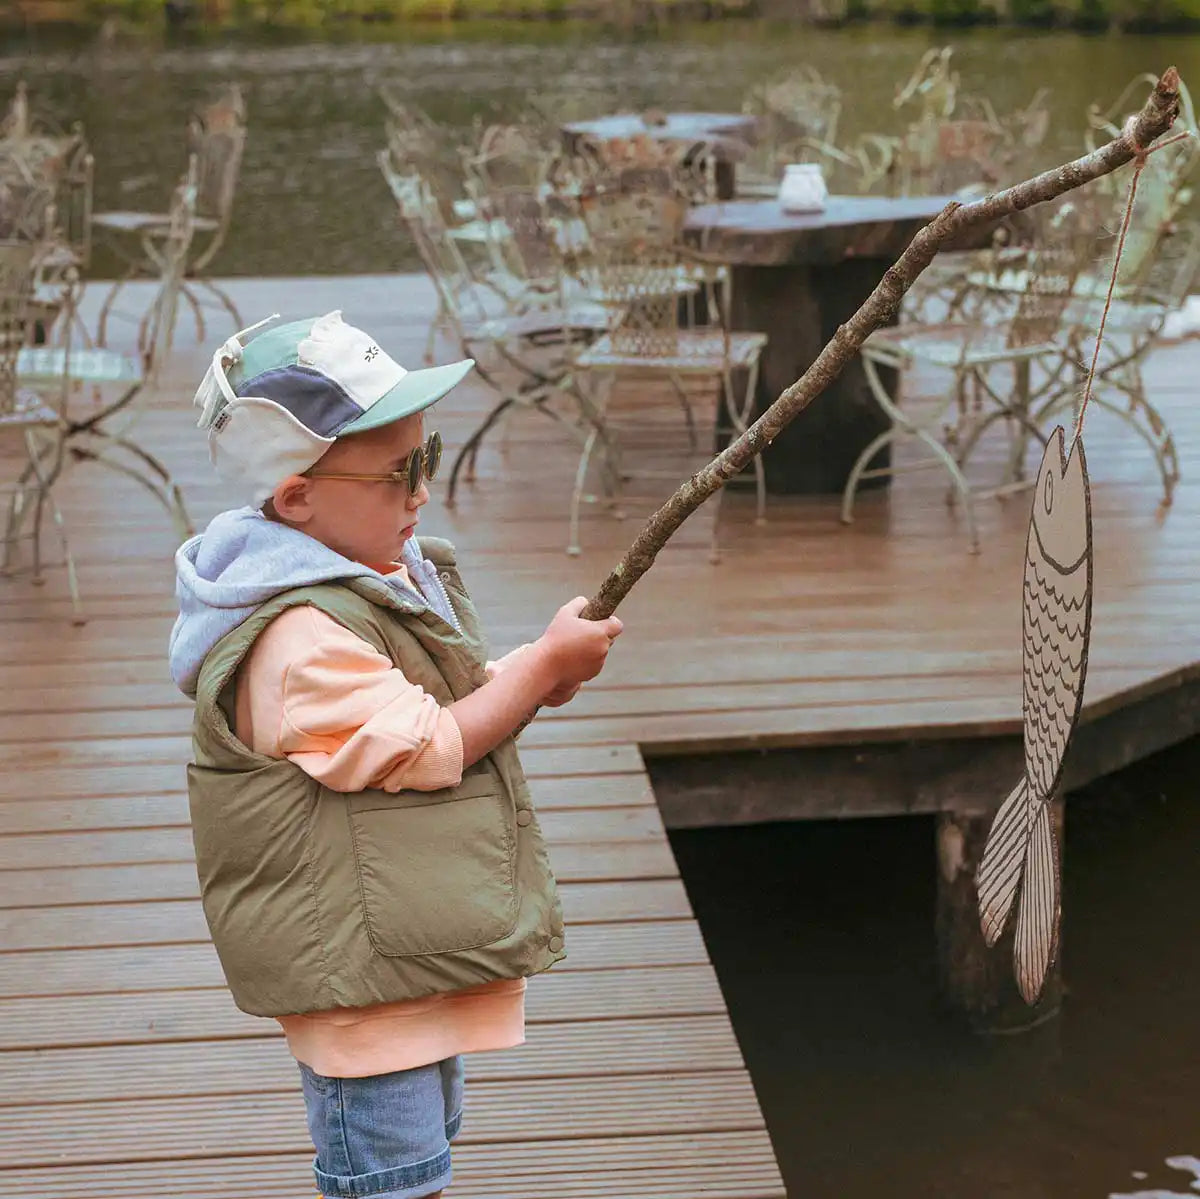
(419, 498)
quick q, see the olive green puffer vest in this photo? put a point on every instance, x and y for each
(318, 899)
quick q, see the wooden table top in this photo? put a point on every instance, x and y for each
(761, 233)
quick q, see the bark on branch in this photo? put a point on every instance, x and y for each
(1156, 117)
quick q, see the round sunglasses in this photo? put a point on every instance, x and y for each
(422, 464)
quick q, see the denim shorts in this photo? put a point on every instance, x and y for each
(387, 1136)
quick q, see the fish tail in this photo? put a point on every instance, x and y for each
(1037, 916)
(1003, 861)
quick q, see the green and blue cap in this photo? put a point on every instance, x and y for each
(273, 405)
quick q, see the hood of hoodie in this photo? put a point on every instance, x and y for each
(242, 560)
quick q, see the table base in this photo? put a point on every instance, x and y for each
(800, 307)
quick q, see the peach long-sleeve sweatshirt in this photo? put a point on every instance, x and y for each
(313, 692)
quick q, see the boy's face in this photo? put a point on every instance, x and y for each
(367, 521)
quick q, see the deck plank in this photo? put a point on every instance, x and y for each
(668, 1045)
(726, 1165)
(97, 970)
(50, 1022)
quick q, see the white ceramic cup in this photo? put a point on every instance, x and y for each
(803, 188)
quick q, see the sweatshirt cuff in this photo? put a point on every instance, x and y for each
(437, 764)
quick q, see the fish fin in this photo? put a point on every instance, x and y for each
(1037, 914)
(1003, 860)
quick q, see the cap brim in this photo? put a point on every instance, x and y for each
(414, 393)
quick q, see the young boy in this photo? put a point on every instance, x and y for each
(371, 868)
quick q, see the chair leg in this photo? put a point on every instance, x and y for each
(223, 298)
(39, 506)
(1022, 372)
(597, 432)
(45, 497)
(12, 526)
(740, 418)
(431, 337)
(714, 545)
(197, 311)
(1164, 451)
(466, 455)
(682, 395)
(960, 484)
(594, 410)
(858, 469)
(78, 617)
(163, 487)
(107, 305)
(573, 547)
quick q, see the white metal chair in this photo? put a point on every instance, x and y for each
(104, 436)
(637, 263)
(1028, 333)
(521, 353)
(32, 432)
(1136, 324)
(216, 139)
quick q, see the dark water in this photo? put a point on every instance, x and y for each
(827, 962)
(311, 199)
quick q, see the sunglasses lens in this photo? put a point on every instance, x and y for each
(424, 461)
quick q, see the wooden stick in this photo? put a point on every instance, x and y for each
(1156, 117)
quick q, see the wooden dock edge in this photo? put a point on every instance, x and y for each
(895, 772)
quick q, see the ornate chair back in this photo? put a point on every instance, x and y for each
(217, 139)
(635, 257)
(16, 294)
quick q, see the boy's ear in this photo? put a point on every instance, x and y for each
(292, 499)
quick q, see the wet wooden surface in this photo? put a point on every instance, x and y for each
(126, 1069)
(128, 1072)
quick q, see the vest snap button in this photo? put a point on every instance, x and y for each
(555, 944)
(524, 816)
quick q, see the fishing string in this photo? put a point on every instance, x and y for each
(1139, 159)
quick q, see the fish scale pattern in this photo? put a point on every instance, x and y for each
(1055, 622)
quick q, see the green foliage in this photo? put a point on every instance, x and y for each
(904, 12)
(1086, 14)
(957, 12)
(131, 10)
(1132, 15)
(1033, 12)
(1169, 15)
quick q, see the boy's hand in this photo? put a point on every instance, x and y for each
(576, 648)
(562, 694)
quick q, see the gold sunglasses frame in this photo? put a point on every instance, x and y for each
(423, 463)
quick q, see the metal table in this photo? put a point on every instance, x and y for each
(797, 277)
(729, 134)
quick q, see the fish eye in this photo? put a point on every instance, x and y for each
(1048, 491)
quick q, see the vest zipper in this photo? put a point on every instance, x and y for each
(437, 574)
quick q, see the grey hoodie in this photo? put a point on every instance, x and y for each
(243, 559)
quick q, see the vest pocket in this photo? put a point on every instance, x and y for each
(436, 869)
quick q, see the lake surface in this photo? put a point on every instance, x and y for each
(311, 199)
(827, 963)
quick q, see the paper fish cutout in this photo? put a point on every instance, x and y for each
(1021, 850)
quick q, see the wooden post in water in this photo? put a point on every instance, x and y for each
(977, 983)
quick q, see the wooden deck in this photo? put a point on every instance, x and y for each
(129, 1073)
